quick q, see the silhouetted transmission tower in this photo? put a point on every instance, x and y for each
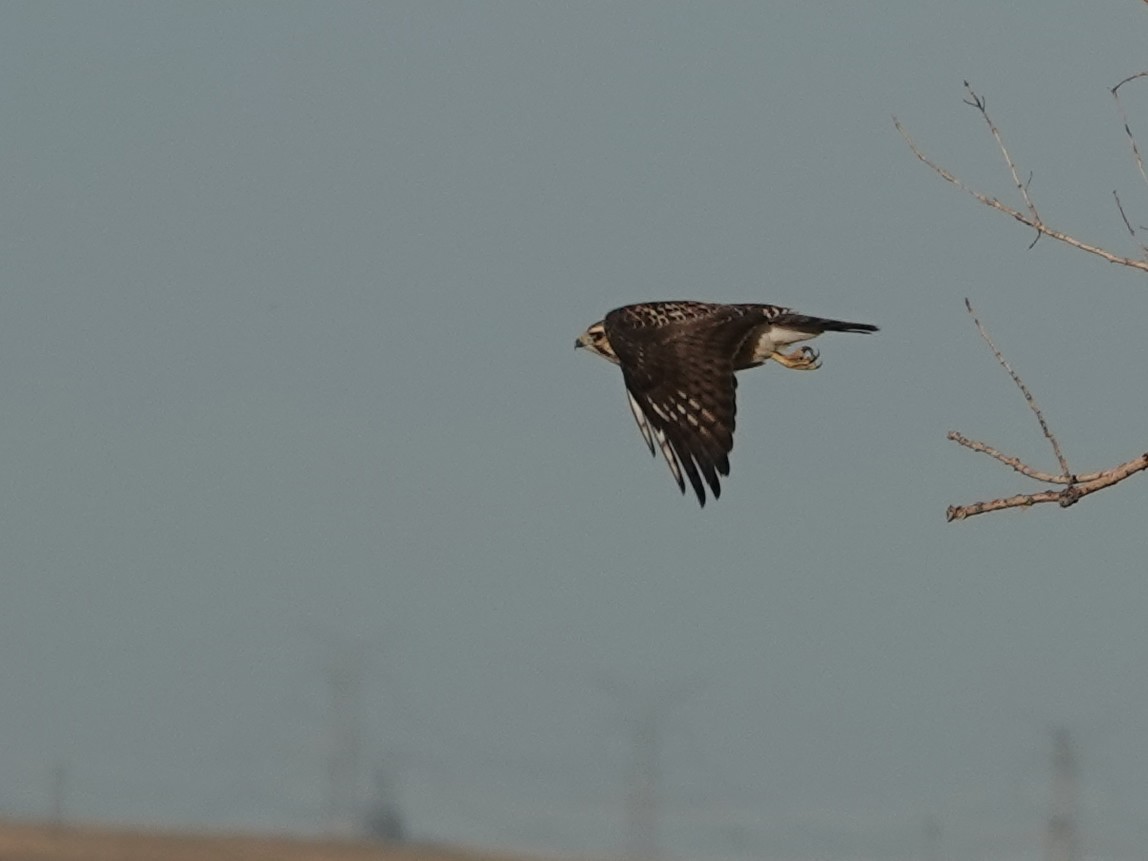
(1062, 843)
(644, 719)
(344, 675)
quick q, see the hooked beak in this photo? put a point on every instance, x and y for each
(579, 343)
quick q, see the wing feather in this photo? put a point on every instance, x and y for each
(677, 362)
(643, 424)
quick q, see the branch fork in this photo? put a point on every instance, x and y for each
(1068, 487)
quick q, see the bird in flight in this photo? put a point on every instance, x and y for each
(678, 361)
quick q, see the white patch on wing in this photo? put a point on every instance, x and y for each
(649, 434)
(640, 418)
(671, 458)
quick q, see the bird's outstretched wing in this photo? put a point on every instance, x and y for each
(677, 363)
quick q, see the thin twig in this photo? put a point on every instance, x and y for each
(979, 103)
(1017, 464)
(1127, 127)
(1066, 497)
(1016, 214)
(1048, 434)
(1127, 223)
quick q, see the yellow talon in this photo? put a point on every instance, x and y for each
(801, 359)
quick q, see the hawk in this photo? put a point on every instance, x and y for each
(678, 361)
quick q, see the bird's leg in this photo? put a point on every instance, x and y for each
(801, 359)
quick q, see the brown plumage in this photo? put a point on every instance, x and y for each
(678, 361)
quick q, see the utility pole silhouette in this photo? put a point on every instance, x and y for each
(384, 819)
(1062, 842)
(60, 774)
(932, 839)
(345, 678)
(642, 792)
(644, 717)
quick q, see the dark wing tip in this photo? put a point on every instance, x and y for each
(700, 471)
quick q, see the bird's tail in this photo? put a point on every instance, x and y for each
(817, 325)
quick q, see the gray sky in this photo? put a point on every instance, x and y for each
(287, 295)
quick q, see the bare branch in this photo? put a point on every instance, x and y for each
(1048, 434)
(1023, 218)
(1074, 487)
(1066, 497)
(1124, 216)
(1071, 488)
(1127, 127)
(1128, 224)
(979, 103)
(1017, 464)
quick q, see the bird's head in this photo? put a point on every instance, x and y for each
(594, 339)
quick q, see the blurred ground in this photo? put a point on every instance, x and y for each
(27, 841)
